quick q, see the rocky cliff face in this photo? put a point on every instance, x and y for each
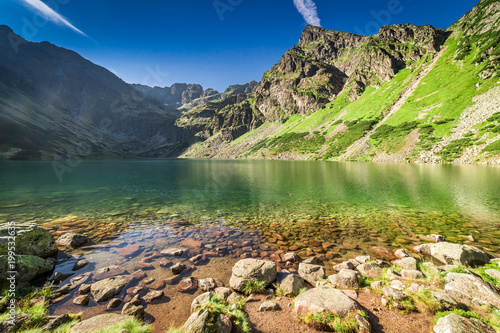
(326, 63)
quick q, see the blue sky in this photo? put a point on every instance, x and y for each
(212, 42)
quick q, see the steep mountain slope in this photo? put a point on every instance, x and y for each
(55, 103)
(407, 94)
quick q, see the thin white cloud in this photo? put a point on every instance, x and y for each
(51, 14)
(309, 11)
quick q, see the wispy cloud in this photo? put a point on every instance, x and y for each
(308, 10)
(51, 14)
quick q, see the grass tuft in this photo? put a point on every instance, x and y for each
(254, 287)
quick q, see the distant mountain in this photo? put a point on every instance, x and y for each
(54, 103)
(183, 97)
(409, 93)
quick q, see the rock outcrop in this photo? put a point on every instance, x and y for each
(30, 239)
(247, 270)
(454, 323)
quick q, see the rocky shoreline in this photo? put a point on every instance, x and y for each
(289, 289)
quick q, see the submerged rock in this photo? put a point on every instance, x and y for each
(72, 239)
(109, 271)
(106, 289)
(153, 296)
(187, 284)
(82, 300)
(80, 264)
(177, 268)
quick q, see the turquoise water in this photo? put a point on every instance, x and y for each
(452, 200)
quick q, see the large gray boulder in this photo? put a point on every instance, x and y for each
(446, 301)
(458, 254)
(291, 284)
(196, 322)
(325, 300)
(106, 289)
(312, 273)
(346, 279)
(370, 269)
(471, 290)
(31, 239)
(252, 269)
(454, 323)
(200, 301)
(100, 322)
(28, 267)
(406, 263)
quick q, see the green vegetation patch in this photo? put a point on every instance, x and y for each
(218, 306)
(356, 129)
(254, 287)
(493, 147)
(455, 149)
(330, 321)
(460, 312)
(300, 143)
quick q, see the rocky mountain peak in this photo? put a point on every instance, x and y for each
(425, 36)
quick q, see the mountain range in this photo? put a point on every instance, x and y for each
(408, 94)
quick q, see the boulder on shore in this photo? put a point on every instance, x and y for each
(454, 323)
(291, 284)
(28, 267)
(471, 290)
(31, 239)
(252, 269)
(199, 321)
(100, 322)
(325, 300)
(312, 273)
(458, 254)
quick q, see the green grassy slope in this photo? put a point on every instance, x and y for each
(451, 115)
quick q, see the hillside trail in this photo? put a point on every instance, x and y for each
(362, 145)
